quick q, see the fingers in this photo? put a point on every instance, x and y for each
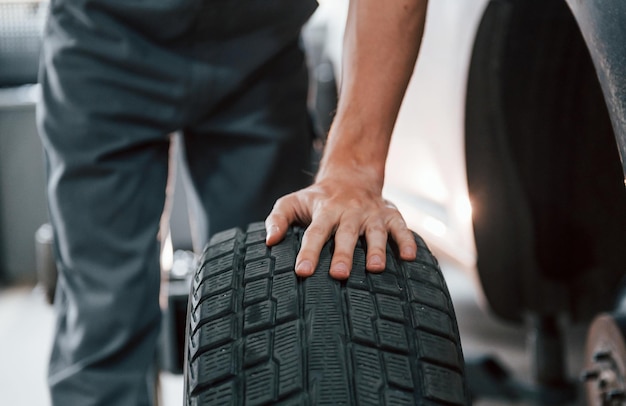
(278, 221)
(313, 241)
(345, 216)
(376, 237)
(348, 231)
(345, 240)
(404, 238)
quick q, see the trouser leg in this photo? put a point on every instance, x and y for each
(109, 99)
(107, 151)
(106, 222)
(256, 146)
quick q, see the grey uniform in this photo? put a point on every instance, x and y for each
(118, 76)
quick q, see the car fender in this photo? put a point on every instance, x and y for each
(603, 26)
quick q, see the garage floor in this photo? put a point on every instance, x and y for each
(26, 324)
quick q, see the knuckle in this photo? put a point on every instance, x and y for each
(281, 201)
(316, 231)
(376, 228)
(398, 223)
(376, 250)
(342, 256)
(354, 203)
(275, 217)
(348, 230)
(305, 255)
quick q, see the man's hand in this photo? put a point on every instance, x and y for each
(381, 43)
(347, 208)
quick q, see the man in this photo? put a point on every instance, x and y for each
(120, 75)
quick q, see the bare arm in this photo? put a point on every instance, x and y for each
(380, 48)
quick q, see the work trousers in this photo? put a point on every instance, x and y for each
(117, 78)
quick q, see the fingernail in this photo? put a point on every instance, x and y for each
(341, 269)
(408, 252)
(375, 261)
(305, 268)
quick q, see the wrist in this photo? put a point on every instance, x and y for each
(349, 171)
(355, 150)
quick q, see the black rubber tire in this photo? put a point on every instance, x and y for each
(259, 335)
(543, 185)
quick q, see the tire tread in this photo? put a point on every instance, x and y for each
(258, 335)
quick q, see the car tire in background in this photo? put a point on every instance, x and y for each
(259, 335)
(544, 174)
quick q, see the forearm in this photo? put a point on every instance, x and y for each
(381, 43)
(345, 202)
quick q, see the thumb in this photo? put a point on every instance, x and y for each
(278, 221)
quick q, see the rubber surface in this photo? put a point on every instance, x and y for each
(258, 335)
(544, 173)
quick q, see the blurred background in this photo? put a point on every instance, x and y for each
(503, 159)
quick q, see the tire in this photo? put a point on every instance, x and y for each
(542, 184)
(258, 335)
